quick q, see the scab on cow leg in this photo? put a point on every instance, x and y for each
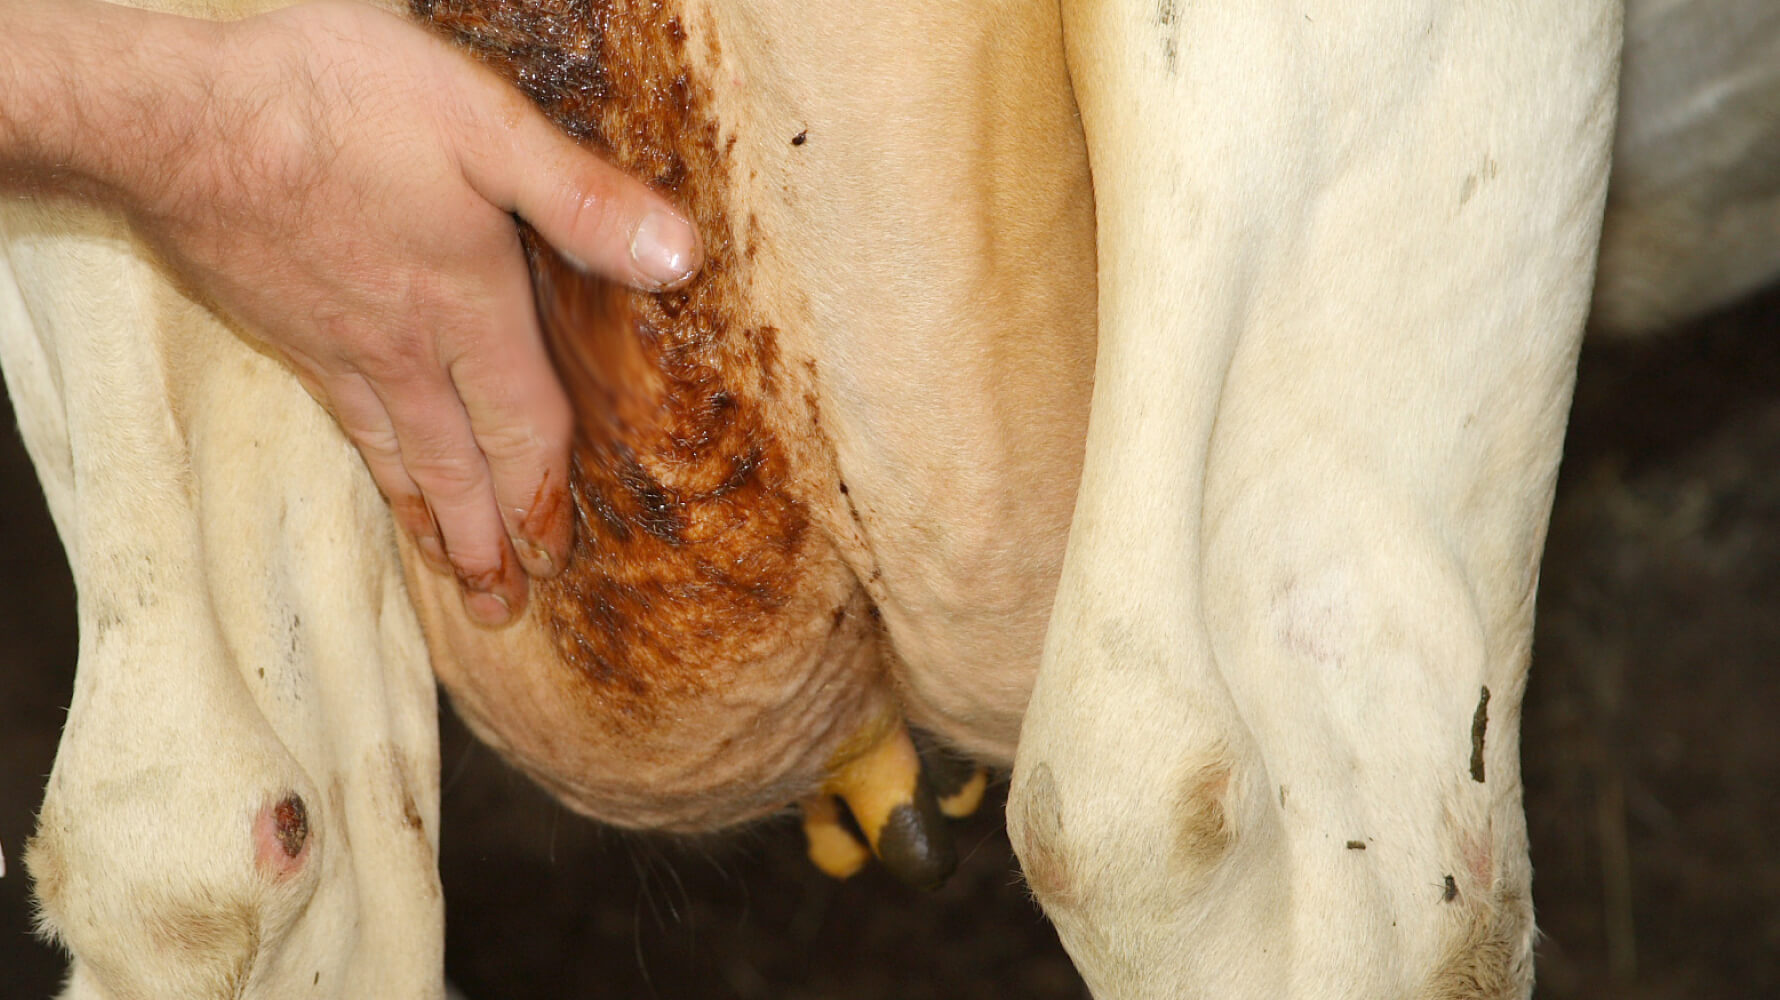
(281, 837)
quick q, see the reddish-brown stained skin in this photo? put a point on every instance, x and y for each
(688, 535)
(290, 824)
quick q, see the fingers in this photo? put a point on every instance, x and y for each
(417, 443)
(441, 455)
(474, 461)
(590, 211)
(366, 423)
(523, 425)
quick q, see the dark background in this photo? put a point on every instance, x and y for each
(1652, 759)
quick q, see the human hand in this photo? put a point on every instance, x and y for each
(344, 191)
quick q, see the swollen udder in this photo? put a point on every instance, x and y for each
(706, 657)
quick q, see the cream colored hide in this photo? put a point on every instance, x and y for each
(1345, 254)
(251, 679)
(1345, 251)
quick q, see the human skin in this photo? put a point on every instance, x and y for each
(343, 185)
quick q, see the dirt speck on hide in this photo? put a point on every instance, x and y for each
(410, 813)
(398, 801)
(1486, 172)
(1480, 721)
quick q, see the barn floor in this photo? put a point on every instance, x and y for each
(1651, 746)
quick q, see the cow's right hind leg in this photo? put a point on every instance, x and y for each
(245, 800)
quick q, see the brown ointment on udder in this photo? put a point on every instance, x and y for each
(688, 537)
(706, 657)
(691, 544)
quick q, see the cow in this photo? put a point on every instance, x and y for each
(1292, 292)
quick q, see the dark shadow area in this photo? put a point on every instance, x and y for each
(1650, 748)
(36, 675)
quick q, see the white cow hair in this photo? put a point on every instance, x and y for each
(1337, 331)
(194, 482)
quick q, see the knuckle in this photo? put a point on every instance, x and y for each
(476, 557)
(478, 560)
(377, 444)
(345, 335)
(450, 478)
(402, 358)
(540, 435)
(588, 206)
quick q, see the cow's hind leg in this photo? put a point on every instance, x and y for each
(245, 800)
(1344, 253)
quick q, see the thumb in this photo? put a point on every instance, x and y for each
(594, 214)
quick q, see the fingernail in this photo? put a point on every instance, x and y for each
(487, 609)
(433, 553)
(534, 557)
(664, 248)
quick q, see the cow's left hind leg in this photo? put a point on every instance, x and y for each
(1345, 252)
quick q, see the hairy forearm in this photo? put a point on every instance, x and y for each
(342, 184)
(96, 98)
